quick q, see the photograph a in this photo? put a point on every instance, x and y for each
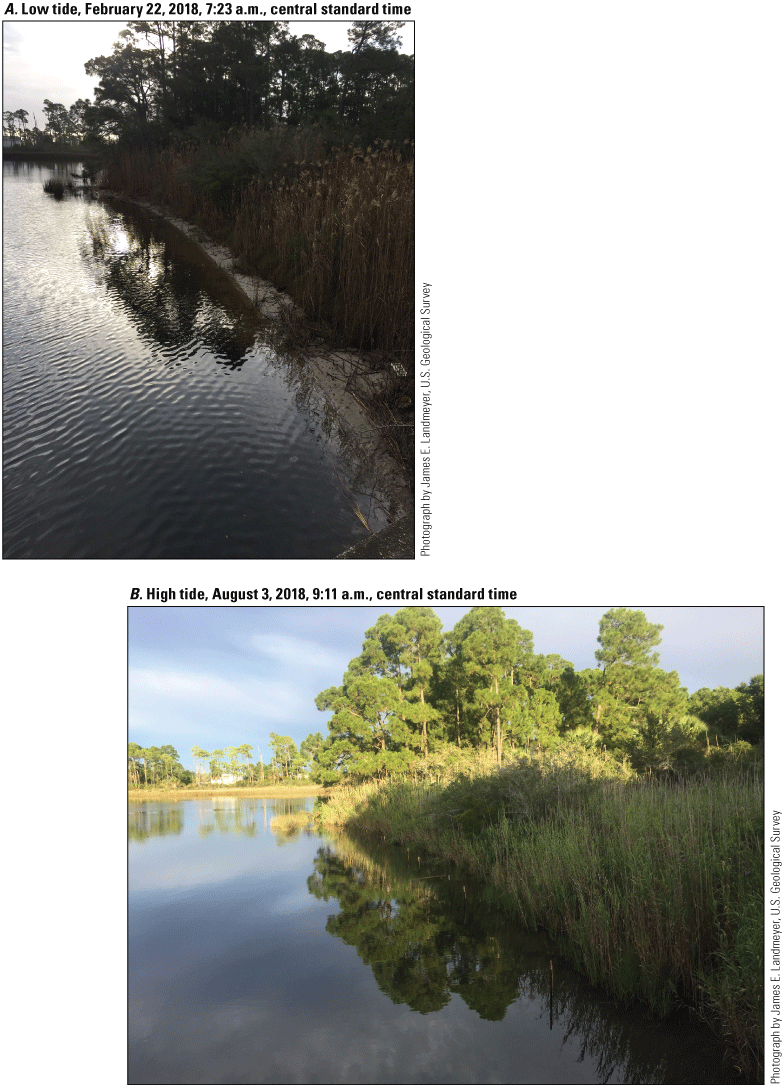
(208, 263)
(445, 844)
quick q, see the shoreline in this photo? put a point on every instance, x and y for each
(278, 791)
(336, 374)
(653, 933)
(17, 154)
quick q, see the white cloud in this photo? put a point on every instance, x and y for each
(274, 697)
(300, 654)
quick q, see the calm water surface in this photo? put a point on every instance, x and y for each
(260, 957)
(143, 416)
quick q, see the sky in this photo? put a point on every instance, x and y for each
(218, 676)
(46, 59)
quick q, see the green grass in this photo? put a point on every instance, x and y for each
(654, 887)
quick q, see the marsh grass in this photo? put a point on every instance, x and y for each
(290, 823)
(333, 229)
(339, 236)
(655, 887)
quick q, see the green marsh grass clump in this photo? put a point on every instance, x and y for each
(530, 787)
(654, 884)
(290, 823)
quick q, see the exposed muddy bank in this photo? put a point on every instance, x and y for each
(350, 380)
(395, 541)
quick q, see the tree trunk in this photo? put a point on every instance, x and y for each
(499, 723)
(426, 739)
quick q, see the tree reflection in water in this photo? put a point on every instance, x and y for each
(173, 302)
(428, 937)
(149, 820)
(224, 815)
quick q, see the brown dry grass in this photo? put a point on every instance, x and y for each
(335, 232)
(342, 234)
(176, 793)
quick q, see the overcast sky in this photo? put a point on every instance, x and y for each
(46, 59)
(225, 676)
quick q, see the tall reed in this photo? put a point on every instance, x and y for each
(336, 230)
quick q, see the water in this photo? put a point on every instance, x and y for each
(256, 957)
(143, 415)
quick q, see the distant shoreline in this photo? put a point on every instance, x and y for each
(280, 791)
(46, 155)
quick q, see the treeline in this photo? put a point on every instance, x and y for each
(418, 696)
(196, 80)
(63, 128)
(155, 766)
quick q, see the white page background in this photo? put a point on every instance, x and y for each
(598, 212)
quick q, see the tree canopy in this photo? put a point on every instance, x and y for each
(417, 693)
(165, 79)
(417, 696)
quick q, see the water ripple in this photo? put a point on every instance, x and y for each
(142, 415)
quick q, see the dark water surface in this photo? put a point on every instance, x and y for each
(260, 957)
(143, 416)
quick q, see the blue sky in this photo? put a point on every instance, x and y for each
(217, 676)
